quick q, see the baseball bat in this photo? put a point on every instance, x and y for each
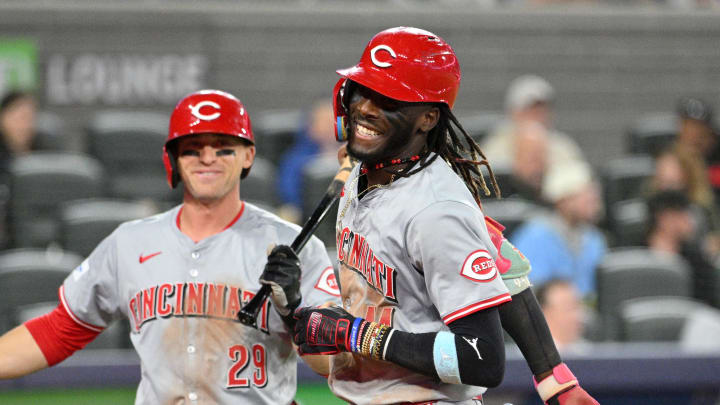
(248, 313)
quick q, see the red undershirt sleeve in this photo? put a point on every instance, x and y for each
(58, 335)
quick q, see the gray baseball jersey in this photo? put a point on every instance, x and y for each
(415, 255)
(181, 299)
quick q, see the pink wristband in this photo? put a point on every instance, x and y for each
(560, 380)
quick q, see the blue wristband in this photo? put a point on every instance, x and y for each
(445, 358)
(354, 333)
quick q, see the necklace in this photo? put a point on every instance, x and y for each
(364, 171)
(353, 186)
(392, 162)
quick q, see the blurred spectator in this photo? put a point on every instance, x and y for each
(564, 313)
(671, 229)
(316, 140)
(17, 126)
(677, 169)
(529, 98)
(530, 160)
(695, 126)
(566, 244)
(697, 137)
(17, 137)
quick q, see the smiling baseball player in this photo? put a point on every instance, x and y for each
(425, 277)
(180, 278)
(419, 282)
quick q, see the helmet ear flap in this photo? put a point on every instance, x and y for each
(340, 105)
(170, 162)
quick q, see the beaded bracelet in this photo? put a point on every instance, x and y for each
(380, 342)
(359, 341)
(368, 337)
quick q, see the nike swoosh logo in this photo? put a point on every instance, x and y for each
(143, 259)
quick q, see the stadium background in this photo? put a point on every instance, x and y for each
(610, 63)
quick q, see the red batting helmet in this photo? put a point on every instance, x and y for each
(205, 112)
(406, 64)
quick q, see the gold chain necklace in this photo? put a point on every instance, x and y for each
(353, 186)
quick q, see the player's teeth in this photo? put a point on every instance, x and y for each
(367, 131)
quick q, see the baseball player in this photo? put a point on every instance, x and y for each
(180, 278)
(421, 268)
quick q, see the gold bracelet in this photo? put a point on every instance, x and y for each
(373, 339)
(365, 339)
(379, 342)
(359, 341)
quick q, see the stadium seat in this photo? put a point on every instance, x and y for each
(656, 319)
(627, 273)
(30, 276)
(50, 133)
(129, 145)
(651, 133)
(85, 223)
(275, 132)
(626, 177)
(630, 221)
(39, 183)
(511, 212)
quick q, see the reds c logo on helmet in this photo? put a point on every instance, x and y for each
(205, 112)
(406, 64)
(195, 110)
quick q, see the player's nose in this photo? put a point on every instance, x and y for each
(367, 108)
(208, 154)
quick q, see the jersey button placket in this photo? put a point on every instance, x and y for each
(191, 349)
(193, 396)
(194, 273)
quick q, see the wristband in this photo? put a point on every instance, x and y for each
(445, 358)
(354, 334)
(560, 379)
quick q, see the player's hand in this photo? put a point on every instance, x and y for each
(323, 330)
(574, 396)
(282, 274)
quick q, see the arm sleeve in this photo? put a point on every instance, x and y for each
(58, 335)
(479, 349)
(524, 321)
(522, 318)
(318, 284)
(448, 242)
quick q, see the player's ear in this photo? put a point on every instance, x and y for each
(249, 151)
(430, 119)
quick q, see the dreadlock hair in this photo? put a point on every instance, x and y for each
(465, 158)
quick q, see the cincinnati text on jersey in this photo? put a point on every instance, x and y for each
(356, 254)
(207, 300)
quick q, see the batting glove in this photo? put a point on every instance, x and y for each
(282, 274)
(562, 388)
(324, 330)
